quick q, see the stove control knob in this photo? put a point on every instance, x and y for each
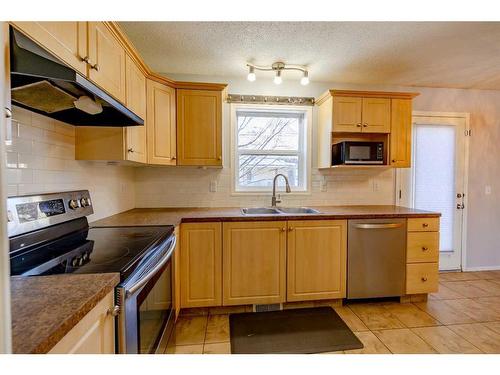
(84, 202)
(80, 261)
(73, 204)
(85, 256)
(74, 262)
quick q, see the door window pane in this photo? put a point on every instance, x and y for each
(435, 176)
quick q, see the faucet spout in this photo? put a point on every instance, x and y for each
(274, 200)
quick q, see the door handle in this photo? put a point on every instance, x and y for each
(378, 226)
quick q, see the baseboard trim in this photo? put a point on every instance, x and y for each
(482, 268)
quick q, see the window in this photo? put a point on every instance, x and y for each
(269, 140)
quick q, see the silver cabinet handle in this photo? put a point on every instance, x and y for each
(114, 311)
(378, 226)
(8, 126)
(130, 150)
(8, 113)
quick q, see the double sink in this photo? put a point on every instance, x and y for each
(279, 211)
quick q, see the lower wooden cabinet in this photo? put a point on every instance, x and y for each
(201, 262)
(422, 278)
(177, 274)
(317, 258)
(94, 334)
(254, 262)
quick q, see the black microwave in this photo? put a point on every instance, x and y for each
(357, 153)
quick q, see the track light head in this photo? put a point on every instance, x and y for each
(277, 77)
(305, 79)
(251, 74)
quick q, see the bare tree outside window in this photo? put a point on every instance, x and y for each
(269, 142)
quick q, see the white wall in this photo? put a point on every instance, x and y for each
(156, 187)
(42, 159)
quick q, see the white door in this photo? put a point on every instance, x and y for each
(437, 179)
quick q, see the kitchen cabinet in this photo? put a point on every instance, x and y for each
(373, 116)
(94, 334)
(66, 40)
(201, 262)
(400, 137)
(135, 88)
(317, 258)
(177, 273)
(106, 60)
(161, 128)
(199, 127)
(254, 262)
(422, 255)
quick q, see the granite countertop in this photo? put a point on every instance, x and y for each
(45, 308)
(174, 216)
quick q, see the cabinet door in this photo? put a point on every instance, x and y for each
(199, 127)
(376, 115)
(400, 146)
(161, 134)
(107, 60)
(94, 334)
(201, 261)
(347, 114)
(317, 260)
(66, 40)
(135, 85)
(177, 274)
(254, 257)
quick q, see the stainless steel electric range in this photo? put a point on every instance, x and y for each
(49, 234)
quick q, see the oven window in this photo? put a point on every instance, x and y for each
(359, 152)
(154, 311)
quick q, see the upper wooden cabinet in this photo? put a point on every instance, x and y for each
(199, 127)
(317, 260)
(254, 262)
(385, 117)
(66, 40)
(106, 60)
(161, 129)
(400, 137)
(201, 262)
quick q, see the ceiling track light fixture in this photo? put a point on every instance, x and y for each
(277, 67)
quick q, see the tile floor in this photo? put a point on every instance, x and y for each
(462, 317)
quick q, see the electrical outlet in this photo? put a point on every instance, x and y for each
(213, 186)
(323, 184)
(487, 190)
(375, 186)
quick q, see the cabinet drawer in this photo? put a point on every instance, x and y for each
(422, 247)
(421, 278)
(426, 224)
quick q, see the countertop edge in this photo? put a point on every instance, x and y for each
(67, 325)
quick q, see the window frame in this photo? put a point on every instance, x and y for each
(304, 152)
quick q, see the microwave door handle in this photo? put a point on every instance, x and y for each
(141, 282)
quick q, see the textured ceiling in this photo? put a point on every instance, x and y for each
(435, 54)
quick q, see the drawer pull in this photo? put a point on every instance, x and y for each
(424, 279)
(425, 248)
(425, 225)
(283, 229)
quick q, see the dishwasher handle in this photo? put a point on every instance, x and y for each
(378, 226)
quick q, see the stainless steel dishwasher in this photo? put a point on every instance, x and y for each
(376, 258)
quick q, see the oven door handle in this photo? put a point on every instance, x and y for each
(151, 273)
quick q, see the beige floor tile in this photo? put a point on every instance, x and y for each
(495, 326)
(185, 349)
(189, 330)
(445, 341)
(458, 276)
(445, 293)
(490, 302)
(375, 316)
(217, 348)
(351, 319)
(479, 335)
(217, 329)
(466, 289)
(194, 311)
(488, 275)
(403, 341)
(444, 313)
(411, 316)
(472, 308)
(372, 345)
(492, 287)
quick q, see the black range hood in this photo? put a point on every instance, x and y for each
(42, 83)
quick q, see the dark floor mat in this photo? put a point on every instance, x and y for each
(295, 331)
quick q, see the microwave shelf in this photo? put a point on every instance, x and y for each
(357, 166)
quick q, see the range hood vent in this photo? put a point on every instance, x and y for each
(42, 83)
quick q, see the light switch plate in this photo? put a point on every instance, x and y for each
(213, 186)
(323, 184)
(487, 190)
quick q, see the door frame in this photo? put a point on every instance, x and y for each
(402, 198)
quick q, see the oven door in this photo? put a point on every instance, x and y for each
(146, 305)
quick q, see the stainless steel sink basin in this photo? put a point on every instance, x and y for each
(260, 211)
(298, 210)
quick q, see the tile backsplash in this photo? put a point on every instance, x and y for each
(41, 158)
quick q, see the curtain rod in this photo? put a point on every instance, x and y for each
(269, 99)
